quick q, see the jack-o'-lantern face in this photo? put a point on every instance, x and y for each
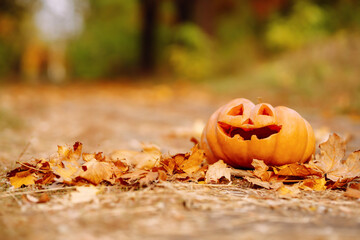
(241, 131)
(255, 122)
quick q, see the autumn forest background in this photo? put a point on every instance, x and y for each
(300, 51)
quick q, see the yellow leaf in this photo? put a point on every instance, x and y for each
(146, 159)
(313, 184)
(289, 191)
(95, 171)
(70, 154)
(297, 170)
(193, 163)
(17, 181)
(66, 170)
(217, 171)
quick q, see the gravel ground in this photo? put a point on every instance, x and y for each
(110, 117)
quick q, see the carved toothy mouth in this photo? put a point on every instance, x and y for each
(247, 133)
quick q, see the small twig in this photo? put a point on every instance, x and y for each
(36, 169)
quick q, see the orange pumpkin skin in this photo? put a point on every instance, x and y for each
(241, 131)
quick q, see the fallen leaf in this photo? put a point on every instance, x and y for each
(297, 170)
(331, 153)
(240, 173)
(147, 159)
(17, 181)
(162, 175)
(168, 164)
(313, 184)
(353, 191)
(193, 163)
(350, 168)
(261, 170)
(88, 156)
(68, 154)
(66, 170)
(134, 177)
(121, 166)
(330, 160)
(149, 178)
(268, 185)
(96, 172)
(217, 171)
(287, 191)
(47, 178)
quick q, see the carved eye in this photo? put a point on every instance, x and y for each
(265, 110)
(237, 111)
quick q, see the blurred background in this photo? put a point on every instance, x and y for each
(303, 53)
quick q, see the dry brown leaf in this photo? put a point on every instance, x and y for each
(179, 159)
(121, 166)
(353, 190)
(47, 178)
(348, 169)
(287, 191)
(313, 184)
(297, 170)
(240, 173)
(96, 172)
(331, 153)
(66, 170)
(147, 159)
(149, 178)
(193, 163)
(88, 156)
(162, 175)
(268, 185)
(134, 177)
(22, 179)
(330, 160)
(261, 170)
(168, 164)
(70, 154)
(217, 171)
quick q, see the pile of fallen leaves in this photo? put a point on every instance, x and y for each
(71, 166)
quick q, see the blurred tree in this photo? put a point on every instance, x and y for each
(11, 13)
(109, 44)
(149, 11)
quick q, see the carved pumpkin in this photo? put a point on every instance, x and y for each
(241, 131)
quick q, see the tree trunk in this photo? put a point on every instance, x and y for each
(149, 15)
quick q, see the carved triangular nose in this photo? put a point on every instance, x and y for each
(248, 121)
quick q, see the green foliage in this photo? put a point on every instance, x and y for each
(109, 42)
(7, 58)
(324, 74)
(306, 23)
(191, 54)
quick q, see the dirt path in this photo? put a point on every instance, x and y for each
(110, 117)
